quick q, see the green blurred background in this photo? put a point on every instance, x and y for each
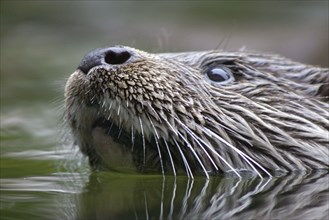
(42, 42)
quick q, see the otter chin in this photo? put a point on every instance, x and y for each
(198, 113)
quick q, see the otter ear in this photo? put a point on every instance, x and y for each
(323, 91)
(317, 78)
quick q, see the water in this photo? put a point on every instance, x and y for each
(44, 177)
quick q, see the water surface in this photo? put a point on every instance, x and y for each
(44, 177)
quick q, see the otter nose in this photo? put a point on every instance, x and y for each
(111, 56)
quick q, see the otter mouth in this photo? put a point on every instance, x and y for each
(116, 148)
(121, 150)
(112, 130)
(112, 146)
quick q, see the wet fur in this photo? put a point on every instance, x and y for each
(272, 117)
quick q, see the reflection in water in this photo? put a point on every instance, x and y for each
(121, 197)
(39, 49)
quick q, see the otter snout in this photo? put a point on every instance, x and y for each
(105, 56)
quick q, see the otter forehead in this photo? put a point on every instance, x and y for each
(209, 111)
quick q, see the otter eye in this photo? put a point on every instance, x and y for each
(220, 75)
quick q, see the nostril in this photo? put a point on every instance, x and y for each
(112, 55)
(117, 56)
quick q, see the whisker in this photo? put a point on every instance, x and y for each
(132, 138)
(195, 154)
(187, 166)
(146, 206)
(171, 211)
(218, 155)
(189, 187)
(162, 197)
(110, 110)
(110, 105)
(170, 157)
(241, 154)
(110, 128)
(119, 108)
(120, 131)
(193, 151)
(189, 131)
(156, 138)
(143, 139)
(109, 117)
(198, 201)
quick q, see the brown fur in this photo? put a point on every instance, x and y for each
(170, 117)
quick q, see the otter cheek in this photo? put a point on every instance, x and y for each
(116, 156)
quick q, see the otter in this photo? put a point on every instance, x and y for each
(208, 113)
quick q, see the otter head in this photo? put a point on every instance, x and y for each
(198, 112)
